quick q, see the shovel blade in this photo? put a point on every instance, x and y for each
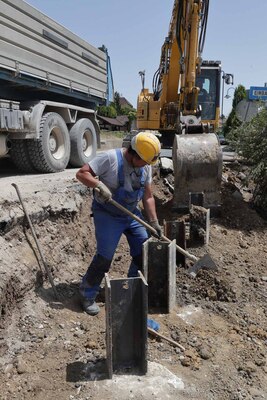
(205, 262)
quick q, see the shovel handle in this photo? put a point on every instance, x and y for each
(36, 241)
(150, 228)
(155, 333)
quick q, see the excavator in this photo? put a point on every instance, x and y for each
(183, 108)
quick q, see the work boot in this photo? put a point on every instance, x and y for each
(90, 306)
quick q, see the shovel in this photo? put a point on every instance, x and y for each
(203, 262)
(37, 243)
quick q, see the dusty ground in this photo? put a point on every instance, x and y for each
(53, 350)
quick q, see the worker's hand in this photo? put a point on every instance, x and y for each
(103, 192)
(155, 224)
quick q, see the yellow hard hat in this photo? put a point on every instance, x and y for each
(147, 146)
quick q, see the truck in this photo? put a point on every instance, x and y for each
(183, 107)
(51, 82)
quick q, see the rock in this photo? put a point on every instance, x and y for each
(91, 345)
(260, 362)
(21, 367)
(166, 164)
(241, 176)
(8, 368)
(205, 353)
(185, 361)
(237, 195)
(212, 295)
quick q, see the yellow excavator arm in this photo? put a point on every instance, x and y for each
(175, 93)
(185, 89)
(181, 47)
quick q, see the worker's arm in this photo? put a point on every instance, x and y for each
(150, 209)
(87, 176)
(149, 203)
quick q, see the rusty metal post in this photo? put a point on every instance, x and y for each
(176, 230)
(126, 325)
(159, 263)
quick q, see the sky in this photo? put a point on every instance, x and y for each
(134, 30)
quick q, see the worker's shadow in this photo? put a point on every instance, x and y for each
(67, 296)
(90, 371)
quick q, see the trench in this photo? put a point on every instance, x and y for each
(65, 239)
(62, 347)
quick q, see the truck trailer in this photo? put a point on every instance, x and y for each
(51, 82)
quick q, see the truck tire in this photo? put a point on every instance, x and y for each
(51, 152)
(19, 154)
(83, 142)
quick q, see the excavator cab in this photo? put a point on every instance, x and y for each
(208, 83)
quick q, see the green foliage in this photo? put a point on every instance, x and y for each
(107, 111)
(117, 104)
(130, 112)
(240, 94)
(232, 121)
(250, 139)
(115, 109)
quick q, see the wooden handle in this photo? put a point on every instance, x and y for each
(36, 242)
(155, 333)
(151, 229)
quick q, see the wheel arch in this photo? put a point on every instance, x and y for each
(69, 113)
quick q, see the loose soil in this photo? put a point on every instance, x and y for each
(51, 349)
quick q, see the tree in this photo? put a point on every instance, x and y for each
(250, 139)
(117, 103)
(131, 114)
(107, 111)
(126, 110)
(232, 121)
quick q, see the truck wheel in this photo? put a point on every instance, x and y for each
(83, 142)
(19, 153)
(51, 152)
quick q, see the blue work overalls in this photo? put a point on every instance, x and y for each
(110, 224)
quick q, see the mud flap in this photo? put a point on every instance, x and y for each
(126, 325)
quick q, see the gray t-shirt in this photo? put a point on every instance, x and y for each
(105, 166)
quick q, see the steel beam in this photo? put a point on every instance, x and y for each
(126, 325)
(159, 264)
(176, 230)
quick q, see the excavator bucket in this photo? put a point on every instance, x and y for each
(197, 162)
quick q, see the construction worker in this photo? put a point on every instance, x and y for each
(125, 175)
